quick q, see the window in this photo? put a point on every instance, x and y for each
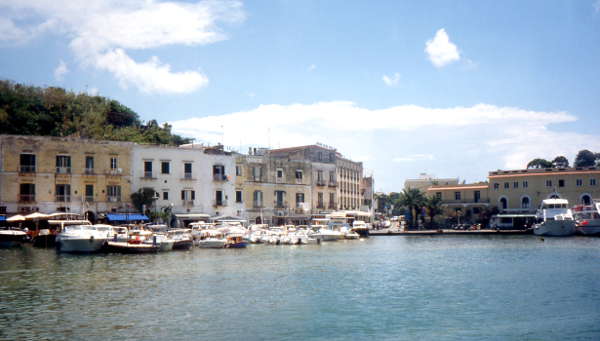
(238, 170)
(27, 192)
(63, 193)
(113, 193)
(299, 174)
(548, 183)
(188, 195)
(219, 173)
(147, 169)
(592, 182)
(238, 196)
(476, 196)
(525, 202)
(579, 182)
(319, 177)
(320, 156)
(525, 184)
(165, 167)
(516, 184)
(299, 200)
(438, 195)
(27, 163)
(89, 165)
(89, 193)
(332, 200)
(279, 173)
(257, 198)
(561, 183)
(503, 203)
(257, 173)
(165, 195)
(63, 164)
(219, 200)
(332, 177)
(280, 199)
(320, 200)
(456, 195)
(496, 185)
(187, 170)
(114, 164)
(506, 185)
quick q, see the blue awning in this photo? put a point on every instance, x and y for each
(2, 218)
(126, 217)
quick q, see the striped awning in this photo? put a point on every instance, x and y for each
(126, 217)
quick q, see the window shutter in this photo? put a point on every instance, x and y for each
(193, 195)
(182, 195)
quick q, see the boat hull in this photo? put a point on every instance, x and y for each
(212, 244)
(183, 244)
(80, 245)
(121, 247)
(363, 233)
(12, 238)
(557, 228)
(590, 229)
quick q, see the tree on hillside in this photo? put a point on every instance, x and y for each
(585, 158)
(539, 163)
(412, 199)
(560, 162)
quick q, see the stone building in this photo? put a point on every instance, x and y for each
(350, 175)
(463, 202)
(67, 174)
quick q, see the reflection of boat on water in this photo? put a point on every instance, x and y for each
(556, 219)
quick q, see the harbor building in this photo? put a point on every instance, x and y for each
(424, 181)
(463, 202)
(64, 174)
(191, 179)
(273, 188)
(350, 175)
(522, 191)
(367, 192)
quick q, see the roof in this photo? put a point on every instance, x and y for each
(555, 201)
(126, 216)
(543, 172)
(192, 216)
(459, 187)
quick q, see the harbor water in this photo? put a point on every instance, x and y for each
(384, 288)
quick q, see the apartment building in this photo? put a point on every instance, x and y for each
(523, 190)
(66, 174)
(464, 202)
(350, 175)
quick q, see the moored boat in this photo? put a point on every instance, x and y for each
(125, 247)
(12, 238)
(588, 218)
(361, 228)
(556, 219)
(81, 239)
(182, 239)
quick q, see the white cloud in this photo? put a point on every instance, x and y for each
(464, 140)
(414, 157)
(311, 67)
(61, 70)
(391, 80)
(101, 32)
(440, 50)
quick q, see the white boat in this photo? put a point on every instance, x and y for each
(351, 235)
(588, 218)
(212, 243)
(12, 238)
(328, 235)
(182, 239)
(361, 228)
(81, 239)
(163, 242)
(556, 219)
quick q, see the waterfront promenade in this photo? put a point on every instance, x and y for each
(429, 232)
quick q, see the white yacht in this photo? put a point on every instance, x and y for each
(81, 238)
(556, 219)
(361, 228)
(161, 240)
(588, 218)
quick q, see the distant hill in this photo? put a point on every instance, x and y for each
(30, 110)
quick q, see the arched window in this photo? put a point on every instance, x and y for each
(554, 196)
(525, 202)
(586, 200)
(503, 203)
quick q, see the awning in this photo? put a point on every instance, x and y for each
(192, 216)
(126, 217)
(2, 218)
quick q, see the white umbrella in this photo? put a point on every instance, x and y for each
(36, 215)
(17, 217)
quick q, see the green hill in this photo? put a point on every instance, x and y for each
(30, 110)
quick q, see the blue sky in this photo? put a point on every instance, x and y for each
(448, 88)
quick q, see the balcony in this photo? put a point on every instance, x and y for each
(280, 204)
(188, 202)
(332, 205)
(320, 182)
(218, 203)
(113, 198)
(27, 169)
(220, 177)
(89, 198)
(147, 175)
(89, 171)
(257, 204)
(26, 197)
(257, 178)
(298, 181)
(63, 198)
(116, 171)
(187, 176)
(63, 170)
(332, 183)
(320, 205)
(299, 210)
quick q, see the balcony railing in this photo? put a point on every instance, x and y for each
(89, 171)
(63, 198)
(320, 205)
(320, 182)
(188, 202)
(187, 176)
(217, 203)
(113, 198)
(147, 175)
(89, 198)
(332, 205)
(27, 169)
(257, 204)
(257, 178)
(298, 181)
(63, 170)
(332, 183)
(219, 177)
(26, 197)
(280, 204)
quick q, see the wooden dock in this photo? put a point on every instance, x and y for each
(391, 232)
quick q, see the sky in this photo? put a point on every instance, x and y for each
(452, 89)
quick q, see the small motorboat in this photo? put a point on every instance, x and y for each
(212, 243)
(182, 239)
(82, 238)
(236, 241)
(125, 247)
(12, 238)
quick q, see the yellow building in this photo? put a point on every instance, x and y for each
(50, 174)
(462, 202)
(350, 175)
(523, 190)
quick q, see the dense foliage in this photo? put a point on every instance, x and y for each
(584, 158)
(29, 110)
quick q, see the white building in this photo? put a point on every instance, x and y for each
(192, 179)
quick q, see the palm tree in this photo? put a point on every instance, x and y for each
(434, 207)
(413, 199)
